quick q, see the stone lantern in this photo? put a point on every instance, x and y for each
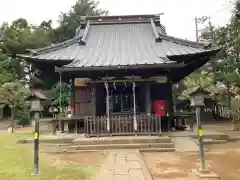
(197, 97)
(197, 100)
(36, 100)
(36, 106)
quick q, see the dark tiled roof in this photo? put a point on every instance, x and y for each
(196, 90)
(38, 94)
(119, 41)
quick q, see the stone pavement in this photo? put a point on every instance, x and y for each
(184, 144)
(124, 165)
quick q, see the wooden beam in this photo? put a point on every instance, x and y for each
(133, 77)
(107, 106)
(128, 80)
(107, 78)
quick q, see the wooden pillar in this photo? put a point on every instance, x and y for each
(54, 127)
(66, 126)
(62, 126)
(94, 100)
(107, 106)
(170, 105)
(134, 107)
(73, 95)
(76, 126)
(74, 102)
(148, 103)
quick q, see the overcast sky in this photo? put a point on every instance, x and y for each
(178, 14)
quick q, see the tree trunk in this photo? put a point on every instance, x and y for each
(1, 112)
(233, 116)
(217, 108)
(229, 95)
(12, 117)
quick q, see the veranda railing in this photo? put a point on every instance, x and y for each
(122, 125)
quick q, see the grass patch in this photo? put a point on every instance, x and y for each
(16, 162)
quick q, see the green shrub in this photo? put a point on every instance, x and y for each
(22, 116)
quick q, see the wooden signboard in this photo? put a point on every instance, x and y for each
(81, 82)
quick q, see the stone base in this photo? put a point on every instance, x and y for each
(9, 130)
(205, 173)
(33, 174)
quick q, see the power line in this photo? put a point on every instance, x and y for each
(224, 5)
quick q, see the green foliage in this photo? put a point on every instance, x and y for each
(62, 95)
(16, 39)
(69, 22)
(13, 94)
(21, 36)
(22, 116)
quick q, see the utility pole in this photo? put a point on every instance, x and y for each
(196, 28)
(199, 20)
(213, 61)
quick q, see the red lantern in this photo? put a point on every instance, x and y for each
(160, 108)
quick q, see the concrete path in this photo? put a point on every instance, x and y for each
(124, 165)
(184, 144)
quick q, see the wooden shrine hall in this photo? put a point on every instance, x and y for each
(122, 69)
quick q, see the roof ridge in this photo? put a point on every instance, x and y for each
(204, 45)
(54, 47)
(85, 33)
(123, 16)
(80, 38)
(158, 39)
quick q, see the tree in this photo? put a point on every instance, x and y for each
(13, 94)
(5, 76)
(228, 38)
(62, 95)
(17, 38)
(69, 22)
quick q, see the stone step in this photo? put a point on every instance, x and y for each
(62, 151)
(184, 144)
(142, 150)
(157, 150)
(121, 140)
(47, 140)
(61, 145)
(213, 136)
(119, 146)
(213, 141)
(234, 138)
